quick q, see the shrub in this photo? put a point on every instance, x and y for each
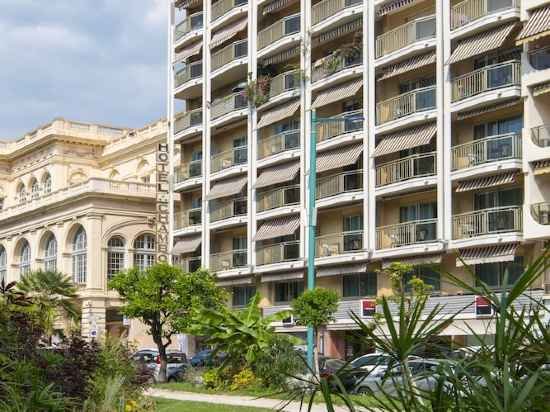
(275, 365)
(243, 379)
(212, 378)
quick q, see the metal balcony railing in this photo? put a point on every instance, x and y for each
(491, 77)
(327, 8)
(343, 123)
(486, 150)
(540, 58)
(228, 260)
(222, 7)
(279, 197)
(189, 72)
(407, 233)
(410, 167)
(541, 212)
(402, 36)
(188, 218)
(228, 104)
(487, 221)
(224, 209)
(188, 171)
(191, 23)
(339, 243)
(336, 184)
(190, 264)
(321, 71)
(229, 158)
(284, 82)
(188, 119)
(279, 252)
(278, 143)
(470, 10)
(405, 104)
(229, 53)
(540, 135)
(282, 28)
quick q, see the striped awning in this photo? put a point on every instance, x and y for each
(407, 65)
(486, 109)
(228, 187)
(394, 6)
(284, 172)
(415, 261)
(187, 52)
(187, 245)
(481, 42)
(282, 56)
(339, 31)
(339, 157)
(541, 167)
(487, 182)
(278, 113)
(406, 139)
(489, 254)
(181, 4)
(276, 277)
(276, 5)
(234, 282)
(279, 227)
(542, 88)
(227, 32)
(337, 93)
(341, 270)
(536, 27)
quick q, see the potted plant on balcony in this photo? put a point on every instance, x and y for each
(257, 91)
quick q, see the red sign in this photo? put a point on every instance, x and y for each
(368, 308)
(483, 306)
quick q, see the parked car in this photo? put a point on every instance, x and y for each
(206, 357)
(176, 366)
(147, 357)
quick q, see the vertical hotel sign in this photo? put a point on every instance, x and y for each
(163, 201)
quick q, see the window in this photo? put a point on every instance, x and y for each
(493, 273)
(3, 264)
(21, 193)
(243, 294)
(35, 189)
(239, 251)
(359, 284)
(79, 255)
(499, 127)
(47, 183)
(240, 150)
(425, 273)
(146, 179)
(288, 291)
(50, 255)
(144, 254)
(498, 198)
(116, 256)
(25, 259)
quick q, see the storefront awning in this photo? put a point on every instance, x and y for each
(394, 6)
(406, 139)
(339, 31)
(282, 226)
(340, 157)
(490, 254)
(187, 245)
(408, 65)
(227, 32)
(227, 188)
(187, 52)
(276, 277)
(281, 57)
(282, 173)
(341, 270)
(541, 167)
(486, 109)
(536, 27)
(487, 182)
(337, 93)
(415, 261)
(279, 113)
(542, 88)
(481, 42)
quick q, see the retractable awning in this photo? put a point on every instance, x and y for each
(284, 172)
(406, 139)
(279, 113)
(487, 182)
(187, 245)
(394, 6)
(282, 226)
(341, 270)
(340, 157)
(227, 188)
(234, 282)
(536, 27)
(337, 93)
(276, 277)
(282, 56)
(541, 167)
(486, 109)
(277, 5)
(416, 261)
(339, 31)
(187, 52)
(542, 88)
(408, 65)
(181, 4)
(227, 32)
(490, 254)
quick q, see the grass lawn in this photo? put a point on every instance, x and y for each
(168, 405)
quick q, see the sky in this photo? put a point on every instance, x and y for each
(99, 61)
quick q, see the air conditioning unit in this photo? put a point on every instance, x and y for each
(288, 321)
(483, 306)
(368, 308)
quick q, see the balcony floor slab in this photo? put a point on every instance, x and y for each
(356, 256)
(229, 222)
(405, 186)
(278, 212)
(341, 140)
(340, 199)
(281, 266)
(341, 76)
(406, 52)
(186, 231)
(486, 98)
(278, 158)
(406, 121)
(486, 240)
(284, 43)
(188, 184)
(487, 169)
(485, 23)
(229, 172)
(409, 250)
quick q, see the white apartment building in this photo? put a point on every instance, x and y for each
(433, 142)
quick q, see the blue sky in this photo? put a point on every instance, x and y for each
(99, 61)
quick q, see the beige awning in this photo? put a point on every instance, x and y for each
(536, 27)
(542, 88)
(227, 32)
(415, 261)
(279, 227)
(541, 167)
(487, 109)
(339, 31)
(276, 277)
(282, 56)
(406, 139)
(284, 172)
(481, 42)
(187, 245)
(276, 5)
(490, 254)
(408, 65)
(187, 52)
(228, 187)
(341, 270)
(339, 157)
(234, 282)
(394, 6)
(337, 93)
(486, 182)
(278, 113)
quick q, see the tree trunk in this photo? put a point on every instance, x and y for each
(156, 333)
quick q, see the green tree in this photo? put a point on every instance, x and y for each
(165, 299)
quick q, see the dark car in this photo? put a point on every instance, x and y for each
(206, 357)
(176, 366)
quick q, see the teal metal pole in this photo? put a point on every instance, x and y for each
(312, 221)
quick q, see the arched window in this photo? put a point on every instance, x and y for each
(25, 259)
(50, 254)
(79, 256)
(116, 256)
(3, 264)
(21, 193)
(35, 189)
(47, 183)
(144, 253)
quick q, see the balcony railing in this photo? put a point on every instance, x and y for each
(540, 58)
(228, 104)
(280, 252)
(327, 8)
(229, 53)
(228, 260)
(191, 23)
(187, 120)
(229, 158)
(486, 150)
(407, 233)
(541, 213)
(540, 135)
(339, 243)
(487, 221)
(344, 182)
(343, 123)
(282, 28)
(284, 82)
(405, 104)
(222, 7)
(322, 71)
(274, 198)
(470, 10)
(224, 209)
(189, 72)
(188, 218)
(190, 264)
(278, 143)
(402, 36)
(491, 77)
(188, 171)
(410, 167)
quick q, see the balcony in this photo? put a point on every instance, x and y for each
(189, 72)
(187, 120)
(339, 125)
(284, 82)
(339, 183)
(228, 260)
(188, 171)
(540, 136)
(229, 158)
(283, 28)
(469, 11)
(406, 104)
(223, 7)
(277, 253)
(486, 150)
(339, 243)
(228, 104)
(188, 218)
(405, 35)
(328, 8)
(539, 59)
(496, 76)
(191, 23)
(328, 66)
(229, 54)
(190, 264)
(541, 213)
(487, 221)
(280, 197)
(410, 167)
(225, 209)
(271, 145)
(405, 234)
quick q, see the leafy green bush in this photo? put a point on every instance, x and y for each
(213, 378)
(244, 379)
(274, 365)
